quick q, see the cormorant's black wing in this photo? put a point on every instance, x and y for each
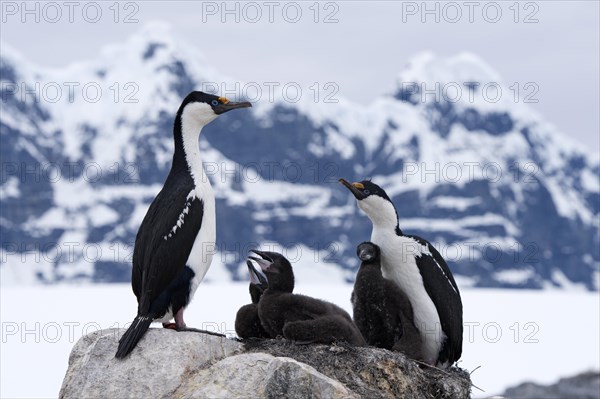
(441, 287)
(160, 253)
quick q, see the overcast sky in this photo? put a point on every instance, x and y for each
(554, 44)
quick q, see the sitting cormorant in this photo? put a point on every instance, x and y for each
(382, 312)
(299, 317)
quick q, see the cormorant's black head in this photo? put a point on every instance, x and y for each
(367, 252)
(198, 109)
(258, 282)
(277, 268)
(219, 105)
(374, 201)
(364, 189)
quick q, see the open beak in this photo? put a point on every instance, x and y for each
(264, 261)
(256, 276)
(353, 189)
(222, 108)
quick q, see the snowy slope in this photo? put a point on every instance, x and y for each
(507, 199)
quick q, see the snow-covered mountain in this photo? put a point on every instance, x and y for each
(507, 199)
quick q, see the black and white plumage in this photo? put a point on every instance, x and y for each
(175, 243)
(418, 269)
(247, 322)
(381, 311)
(298, 317)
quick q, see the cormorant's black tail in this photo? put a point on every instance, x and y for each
(132, 336)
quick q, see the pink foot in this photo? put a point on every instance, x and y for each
(171, 326)
(179, 320)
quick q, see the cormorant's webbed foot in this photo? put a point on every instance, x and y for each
(170, 326)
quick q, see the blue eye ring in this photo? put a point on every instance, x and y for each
(366, 192)
(214, 103)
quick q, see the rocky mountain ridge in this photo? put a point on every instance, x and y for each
(507, 199)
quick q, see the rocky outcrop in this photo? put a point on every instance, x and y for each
(170, 364)
(581, 386)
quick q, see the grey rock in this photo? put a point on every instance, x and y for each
(581, 386)
(372, 372)
(159, 364)
(170, 364)
(259, 375)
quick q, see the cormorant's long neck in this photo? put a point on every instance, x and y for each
(382, 213)
(368, 269)
(179, 161)
(186, 157)
(289, 287)
(255, 293)
(281, 284)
